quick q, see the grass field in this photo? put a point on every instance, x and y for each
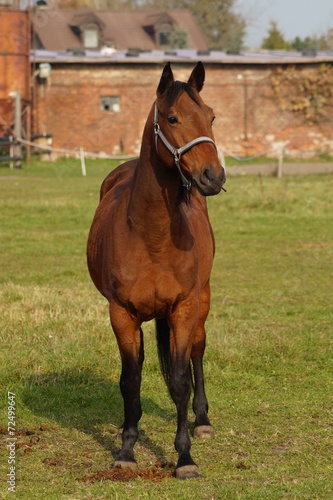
(268, 361)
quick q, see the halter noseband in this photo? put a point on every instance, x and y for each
(177, 152)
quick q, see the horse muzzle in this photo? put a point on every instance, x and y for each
(209, 182)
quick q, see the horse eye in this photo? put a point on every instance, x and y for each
(213, 119)
(172, 119)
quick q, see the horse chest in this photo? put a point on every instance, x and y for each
(152, 286)
(151, 275)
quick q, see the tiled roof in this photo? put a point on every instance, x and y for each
(124, 29)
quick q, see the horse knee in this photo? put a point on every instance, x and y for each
(130, 383)
(180, 386)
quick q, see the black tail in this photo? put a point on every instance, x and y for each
(163, 345)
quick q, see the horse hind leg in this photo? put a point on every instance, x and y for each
(130, 342)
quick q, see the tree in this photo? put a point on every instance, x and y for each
(178, 39)
(224, 29)
(321, 42)
(275, 39)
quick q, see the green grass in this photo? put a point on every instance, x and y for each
(268, 361)
(246, 160)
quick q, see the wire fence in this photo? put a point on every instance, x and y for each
(82, 155)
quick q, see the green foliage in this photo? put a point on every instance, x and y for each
(275, 39)
(178, 39)
(308, 95)
(268, 361)
(223, 27)
(320, 42)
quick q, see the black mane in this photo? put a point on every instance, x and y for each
(176, 89)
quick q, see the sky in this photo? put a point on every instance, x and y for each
(294, 18)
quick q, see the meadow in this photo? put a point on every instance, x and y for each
(268, 361)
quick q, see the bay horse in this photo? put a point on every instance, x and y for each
(150, 253)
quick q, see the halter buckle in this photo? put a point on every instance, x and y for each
(177, 156)
(156, 128)
(187, 184)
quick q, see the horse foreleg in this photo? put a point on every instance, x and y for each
(130, 342)
(180, 390)
(202, 426)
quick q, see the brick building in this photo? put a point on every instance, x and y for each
(100, 102)
(99, 99)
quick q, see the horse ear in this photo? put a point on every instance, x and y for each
(166, 79)
(197, 77)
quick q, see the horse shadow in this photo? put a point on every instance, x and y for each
(82, 400)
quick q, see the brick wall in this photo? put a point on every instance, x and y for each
(248, 118)
(14, 63)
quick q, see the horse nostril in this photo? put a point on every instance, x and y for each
(207, 175)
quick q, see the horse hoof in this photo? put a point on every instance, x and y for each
(188, 472)
(204, 432)
(123, 464)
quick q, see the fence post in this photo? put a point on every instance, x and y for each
(11, 151)
(280, 163)
(17, 150)
(83, 163)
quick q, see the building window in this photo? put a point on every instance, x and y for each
(110, 103)
(164, 38)
(90, 38)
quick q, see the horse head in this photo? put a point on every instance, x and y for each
(183, 132)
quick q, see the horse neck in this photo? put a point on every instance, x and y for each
(157, 193)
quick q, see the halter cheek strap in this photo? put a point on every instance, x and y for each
(177, 152)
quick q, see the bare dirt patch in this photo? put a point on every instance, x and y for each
(156, 474)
